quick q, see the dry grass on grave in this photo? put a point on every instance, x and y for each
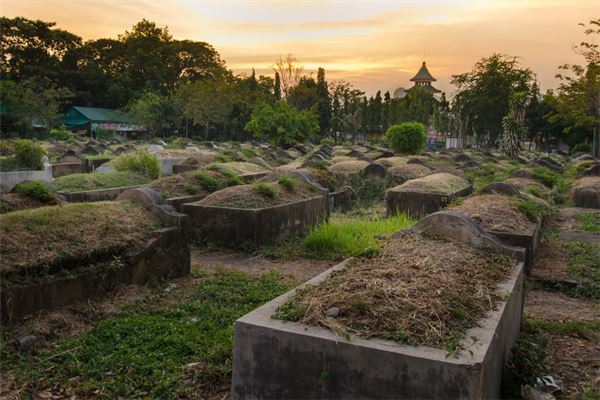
(443, 183)
(496, 213)
(349, 167)
(415, 290)
(44, 236)
(259, 195)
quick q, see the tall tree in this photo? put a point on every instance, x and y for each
(277, 89)
(483, 94)
(304, 95)
(513, 125)
(290, 72)
(154, 110)
(579, 92)
(324, 108)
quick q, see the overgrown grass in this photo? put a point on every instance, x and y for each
(265, 190)
(341, 238)
(560, 183)
(140, 162)
(36, 190)
(590, 222)
(288, 182)
(142, 353)
(92, 181)
(486, 173)
(584, 266)
(533, 210)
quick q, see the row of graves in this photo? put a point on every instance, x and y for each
(433, 314)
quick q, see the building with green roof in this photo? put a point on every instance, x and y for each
(91, 119)
(423, 79)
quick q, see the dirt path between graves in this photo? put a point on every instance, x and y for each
(255, 264)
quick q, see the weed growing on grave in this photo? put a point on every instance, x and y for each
(265, 190)
(36, 190)
(590, 222)
(287, 182)
(584, 266)
(339, 238)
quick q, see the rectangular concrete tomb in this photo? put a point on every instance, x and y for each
(259, 226)
(426, 195)
(274, 359)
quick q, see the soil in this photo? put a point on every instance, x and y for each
(574, 360)
(184, 184)
(551, 261)
(402, 173)
(558, 307)
(16, 201)
(495, 213)
(430, 292)
(523, 184)
(589, 182)
(301, 270)
(567, 218)
(244, 168)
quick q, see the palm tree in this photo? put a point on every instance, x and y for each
(513, 124)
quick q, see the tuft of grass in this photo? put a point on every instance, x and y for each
(248, 153)
(92, 181)
(590, 222)
(142, 352)
(140, 162)
(36, 190)
(533, 210)
(287, 182)
(265, 190)
(338, 239)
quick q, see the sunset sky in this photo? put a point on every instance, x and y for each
(376, 45)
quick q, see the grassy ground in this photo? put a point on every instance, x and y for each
(341, 237)
(92, 181)
(177, 343)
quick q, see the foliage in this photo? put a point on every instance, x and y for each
(212, 184)
(192, 325)
(582, 148)
(341, 238)
(288, 182)
(327, 142)
(36, 190)
(30, 102)
(282, 125)
(29, 154)
(155, 111)
(365, 192)
(526, 362)
(265, 190)
(579, 92)
(513, 125)
(407, 137)
(61, 133)
(483, 95)
(7, 148)
(93, 181)
(532, 209)
(590, 222)
(584, 266)
(141, 162)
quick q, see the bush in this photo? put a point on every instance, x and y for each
(248, 153)
(582, 147)
(407, 137)
(29, 154)
(103, 134)
(287, 182)
(141, 162)
(35, 190)
(61, 133)
(6, 148)
(265, 190)
(327, 141)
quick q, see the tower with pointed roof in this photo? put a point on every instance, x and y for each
(423, 79)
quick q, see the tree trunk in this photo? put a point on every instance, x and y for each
(206, 132)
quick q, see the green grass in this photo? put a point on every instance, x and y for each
(265, 190)
(533, 210)
(287, 182)
(584, 267)
(142, 352)
(590, 222)
(342, 238)
(92, 181)
(486, 173)
(105, 155)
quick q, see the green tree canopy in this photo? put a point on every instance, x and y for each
(283, 125)
(483, 94)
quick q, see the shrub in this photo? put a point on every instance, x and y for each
(287, 182)
(141, 162)
(582, 147)
(104, 134)
(35, 190)
(248, 153)
(327, 141)
(6, 148)
(29, 154)
(61, 133)
(265, 190)
(366, 192)
(407, 137)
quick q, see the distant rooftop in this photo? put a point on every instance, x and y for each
(423, 75)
